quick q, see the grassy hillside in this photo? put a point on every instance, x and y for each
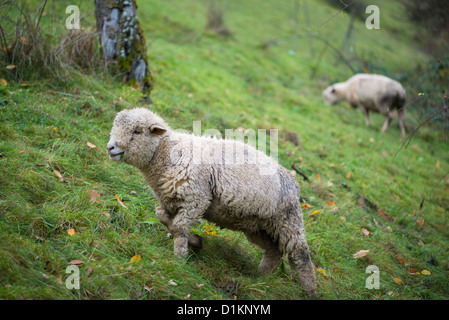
(58, 189)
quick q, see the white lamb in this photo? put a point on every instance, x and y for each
(370, 92)
(224, 181)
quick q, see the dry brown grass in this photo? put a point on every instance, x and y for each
(35, 53)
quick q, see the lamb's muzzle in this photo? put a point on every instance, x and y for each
(115, 153)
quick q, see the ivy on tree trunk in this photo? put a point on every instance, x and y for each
(122, 40)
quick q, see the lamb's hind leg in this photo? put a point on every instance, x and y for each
(387, 122)
(271, 254)
(401, 116)
(194, 240)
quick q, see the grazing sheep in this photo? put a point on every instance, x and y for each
(370, 92)
(222, 180)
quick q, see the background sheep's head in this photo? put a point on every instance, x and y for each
(332, 95)
(135, 136)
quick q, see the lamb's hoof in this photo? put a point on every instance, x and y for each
(196, 241)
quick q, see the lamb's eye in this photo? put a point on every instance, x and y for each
(137, 131)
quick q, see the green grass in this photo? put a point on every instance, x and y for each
(225, 84)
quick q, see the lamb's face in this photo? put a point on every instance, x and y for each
(331, 96)
(135, 136)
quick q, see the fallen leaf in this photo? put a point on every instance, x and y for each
(330, 203)
(420, 223)
(401, 260)
(148, 289)
(413, 271)
(348, 175)
(438, 164)
(10, 67)
(371, 140)
(383, 214)
(71, 231)
(24, 84)
(58, 175)
(76, 262)
(136, 258)
(306, 205)
(397, 280)
(55, 129)
(360, 254)
(52, 92)
(89, 271)
(94, 196)
(172, 283)
(315, 212)
(317, 176)
(322, 271)
(366, 232)
(91, 145)
(106, 214)
(3, 82)
(426, 272)
(23, 40)
(120, 201)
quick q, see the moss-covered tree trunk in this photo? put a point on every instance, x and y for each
(122, 40)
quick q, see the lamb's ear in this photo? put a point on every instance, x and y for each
(158, 129)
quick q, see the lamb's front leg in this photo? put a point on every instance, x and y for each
(365, 112)
(193, 240)
(184, 220)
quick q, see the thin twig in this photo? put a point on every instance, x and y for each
(335, 14)
(342, 57)
(422, 203)
(39, 15)
(299, 172)
(4, 40)
(409, 139)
